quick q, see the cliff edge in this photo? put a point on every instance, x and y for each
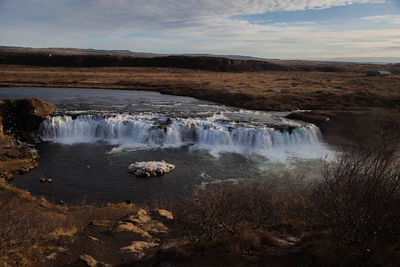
(18, 119)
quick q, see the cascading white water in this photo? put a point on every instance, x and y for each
(87, 156)
(202, 133)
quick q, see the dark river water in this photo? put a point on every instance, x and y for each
(95, 134)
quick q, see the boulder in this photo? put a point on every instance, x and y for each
(165, 214)
(138, 247)
(91, 262)
(150, 168)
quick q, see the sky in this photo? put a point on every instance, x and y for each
(361, 30)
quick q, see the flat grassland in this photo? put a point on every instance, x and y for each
(272, 90)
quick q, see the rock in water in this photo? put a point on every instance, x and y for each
(150, 168)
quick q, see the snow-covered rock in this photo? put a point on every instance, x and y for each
(150, 168)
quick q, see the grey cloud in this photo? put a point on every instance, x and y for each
(146, 13)
(197, 25)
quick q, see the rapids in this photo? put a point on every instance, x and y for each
(215, 134)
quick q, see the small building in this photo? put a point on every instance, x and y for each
(379, 73)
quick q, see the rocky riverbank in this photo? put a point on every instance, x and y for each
(340, 127)
(34, 232)
(18, 119)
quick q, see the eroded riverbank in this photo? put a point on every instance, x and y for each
(18, 119)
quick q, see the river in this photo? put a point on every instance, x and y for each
(93, 136)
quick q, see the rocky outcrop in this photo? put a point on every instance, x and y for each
(91, 262)
(150, 168)
(18, 119)
(138, 247)
(314, 117)
(142, 224)
(31, 112)
(165, 214)
(341, 127)
(137, 235)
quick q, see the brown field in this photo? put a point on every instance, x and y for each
(275, 90)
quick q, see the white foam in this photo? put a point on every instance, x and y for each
(155, 131)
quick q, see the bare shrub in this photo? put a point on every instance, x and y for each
(250, 241)
(359, 197)
(229, 208)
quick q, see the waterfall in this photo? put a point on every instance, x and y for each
(158, 131)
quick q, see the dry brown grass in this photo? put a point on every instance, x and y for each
(260, 90)
(30, 222)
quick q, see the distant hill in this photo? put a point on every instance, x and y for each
(74, 51)
(124, 53)
(74, 57)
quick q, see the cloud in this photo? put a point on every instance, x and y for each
(133, 13)
(392, 19)
(185, 26)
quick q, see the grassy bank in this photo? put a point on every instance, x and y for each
(275, 90)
